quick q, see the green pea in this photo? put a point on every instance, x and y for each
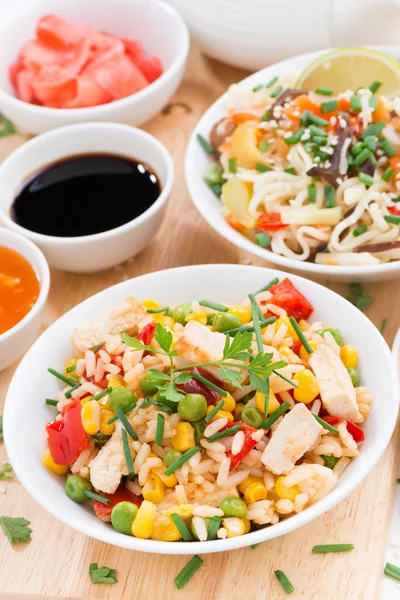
(150, 383)
(170, 456)
(122, 516)
(192, 407)
(354, 376)
(252, 416)
(233, 507)
(199, 427)
(121, 397)
(224, 321)
(335, 332)
(101, 438)
(76, 487)
(210, 318)
(180, 312)
(329, 461)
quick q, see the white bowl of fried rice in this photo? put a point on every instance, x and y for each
(351, 389)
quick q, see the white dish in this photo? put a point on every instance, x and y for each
(102, 250)
(157, 26)
(208, 204)
(19, 338)
(27, 421)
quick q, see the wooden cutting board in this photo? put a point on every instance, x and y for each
(55, 564)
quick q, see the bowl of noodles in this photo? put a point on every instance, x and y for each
(308, 180)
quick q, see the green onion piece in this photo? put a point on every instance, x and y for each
(332, 548)
(262, 168)
(223, 434)
(51, 402)
(387, 147)
(362, 157)
(329, 192)
(161, 406)
(275, 415)
(128, 409)
(209, 384)
(366, 179)
(213, 527)
(329, 106)
(360, 230)
(312, 192)
(276, 91)
(68, 393)
(324, 91)
(357, 149)
(285, 378)
(181, 527)
(157, 310)
(127, 452)
(320, 141)
(271, 83)
(214, 305)
(370, 142)
(290, 170)
(266, 115)
(126, 424)
(300, 335)
(62, 377)
(305, 117)
(254, 546)
(374, 87)
(160, 429)
(101, 395)
(188, 571)
(257, 87)
(254, 301)
(256, 323)
(318, 120)
(395, 199)
(392, 219)
(269, 285)
(214, 174)
(294, 138)
(373, 102)
(355, 102)
(388, 174)
(318, 131)
(284, 581)
(325, 424)
(214, 411)
(373, 129)
(232, 165)
(181, 460)
(207, 147)
(264, 146)
(392, 571)
(94, 496)
(266, 396)
(384, 325)
(216, 188)
(70, 369)
(263, 239)
(264, 323)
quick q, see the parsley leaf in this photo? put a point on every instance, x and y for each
(358, 297)
(102, 575)
(15, 529)
(134, 343)
(6, 127)
(1, 427)
(234, 349)
(169, 392)
(231, 376)
(6, 468)
(183, 377)
(163, 337)
(160, 375)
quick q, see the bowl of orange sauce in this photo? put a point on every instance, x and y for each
(24, 287)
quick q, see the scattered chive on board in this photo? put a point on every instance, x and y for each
(323, 548)
(209, 384)
(392, 571)
(284, 581)
(181, 460)
(214, 411)
(188, 571)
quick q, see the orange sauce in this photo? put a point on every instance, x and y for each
(19, 288)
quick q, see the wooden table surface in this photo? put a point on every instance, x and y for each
(55, 564)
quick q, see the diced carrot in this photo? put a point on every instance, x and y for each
(240, 115)
(395, 122)
(225, 147)
(303, 103)
(233, 222)
(395, 163)
(380, 113)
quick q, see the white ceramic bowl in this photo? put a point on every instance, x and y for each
(208, 204)
(221, 283)
(157, 26)
(19, 338)
(102, 250)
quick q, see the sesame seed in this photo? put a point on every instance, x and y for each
(339, 180)
(333, 120)
(317, 159)
(379, 152)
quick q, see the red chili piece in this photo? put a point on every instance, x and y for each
(147, 333)
(197, 387)
(67, 438)
(248, 443)
(285, 295)
(121, 495)
(270, 221)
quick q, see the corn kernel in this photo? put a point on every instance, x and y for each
(152, 304)
(183, 440)
(308, 386)
(242, 312)
(303, 352)
(255, 491)
(286, 493)
(165, 530)
(90, 415)
(183, 510)
(273, 403)
(234, 526)
(154, 489)
(220, 414)
(48, 462)
(349, 356)
(168, 480)
(242, 487)
(105, 428)
(164, 320)
(114, 382)
(86, 399)
(304, 325)
(199, 316)
(238, 410)
(142, 526)
(290, 331)
(229, 403)
(70, 363)
(247, 525)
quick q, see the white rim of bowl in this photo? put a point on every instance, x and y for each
(51, 137)
(234, 236)
(281, 528)
(91, 111)
(43, 277)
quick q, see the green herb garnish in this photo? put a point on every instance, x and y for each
(271, 83)
(290, 170)
(70, 369)
(7, 128)
(329, 461)
(127, 451)
(101, 395)
(323, 548)
(394, 220)
(294, 138)
(387, 147)
(329, 192)
(126, 424)
(388, 174)
(384, 325)
(16, 529)
(67, 380)
(247, 328)
(392, 571)
(214, 411)
(188, 571)
(275, 415)
(213, 527)
(160, 429)
(181, 460)
(152, 311)
(232, 165)
(362, 157)
(97, 497)
(207, 147)
(125, 410)
(254, 546)
(223, 434)
(329, 106)
(284, 581)
(366, 179)
(373, 129)
(301, 335)
(360, 230)
(262, 168)
(324, 91)
(181, 526)
(325, 424)
(214, 305)
(374, 87)
(312, 192)
(263, 239)
(6, 468)
(102, 575)
(264, 146)
(209, 384)
(355, 102)
(276, 91)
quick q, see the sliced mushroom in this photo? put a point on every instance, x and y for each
(221, 130)
(378, 247)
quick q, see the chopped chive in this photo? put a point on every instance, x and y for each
(395, 199)
(214, 411)
(387, 147)
(188, 571)
(127, 451)
(264, 146)
(181, 527)
(324, 91)
(266, 115)
(325, 424)
(362, 157)
(357, 148)
(300, 335)
(318, 120)
(284, 581)
(161, 406)
(62, 377)
(214, 305)
(101, 395)
(290, 170)
(256, 324)
(312, 192)
(181, 460)
(262, 168)
(264, 323)
(360, 230)
(276, 91)
(329, 106)
(392, 571)
(126, 424)
(127, 409)
(94, 496)
(51, 402)
(392, 219)
(388, 174)
(374, 87)
(285, 378)
(254, 546)
(373, 102)
(370, 142)
(266, 396)
(384, 325)
(263, 239)
(254, 301)
(294, 138)
(232, 165)
(216, 188)
(271, 83)
(373, 129)
(320, 141)
(318, 131)
(213, 527)
(68, 393)
(209, 384)
(207, 147)
(223, 434)
(275, 415)
(157, 310)
(332, 548)
(160, 429)
(355, 102)
(70, 369)
(305, 117)
(329, 193)
(257, 87)
(366, 179)
(269, 285)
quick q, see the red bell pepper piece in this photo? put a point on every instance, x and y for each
(67, 438)
(147, 333)
(295, 347)
(121, 495)
(355, 431)
(197, 387)
(394, 210)
(332, 420)
(285, 295)
(270, 221)
(248, 443)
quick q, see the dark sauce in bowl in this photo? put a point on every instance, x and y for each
(84, 195)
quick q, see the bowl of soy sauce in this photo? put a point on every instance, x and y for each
(89, 195)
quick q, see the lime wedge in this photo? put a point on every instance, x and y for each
(351, 68)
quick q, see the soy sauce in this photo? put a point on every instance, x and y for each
(85, 194)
